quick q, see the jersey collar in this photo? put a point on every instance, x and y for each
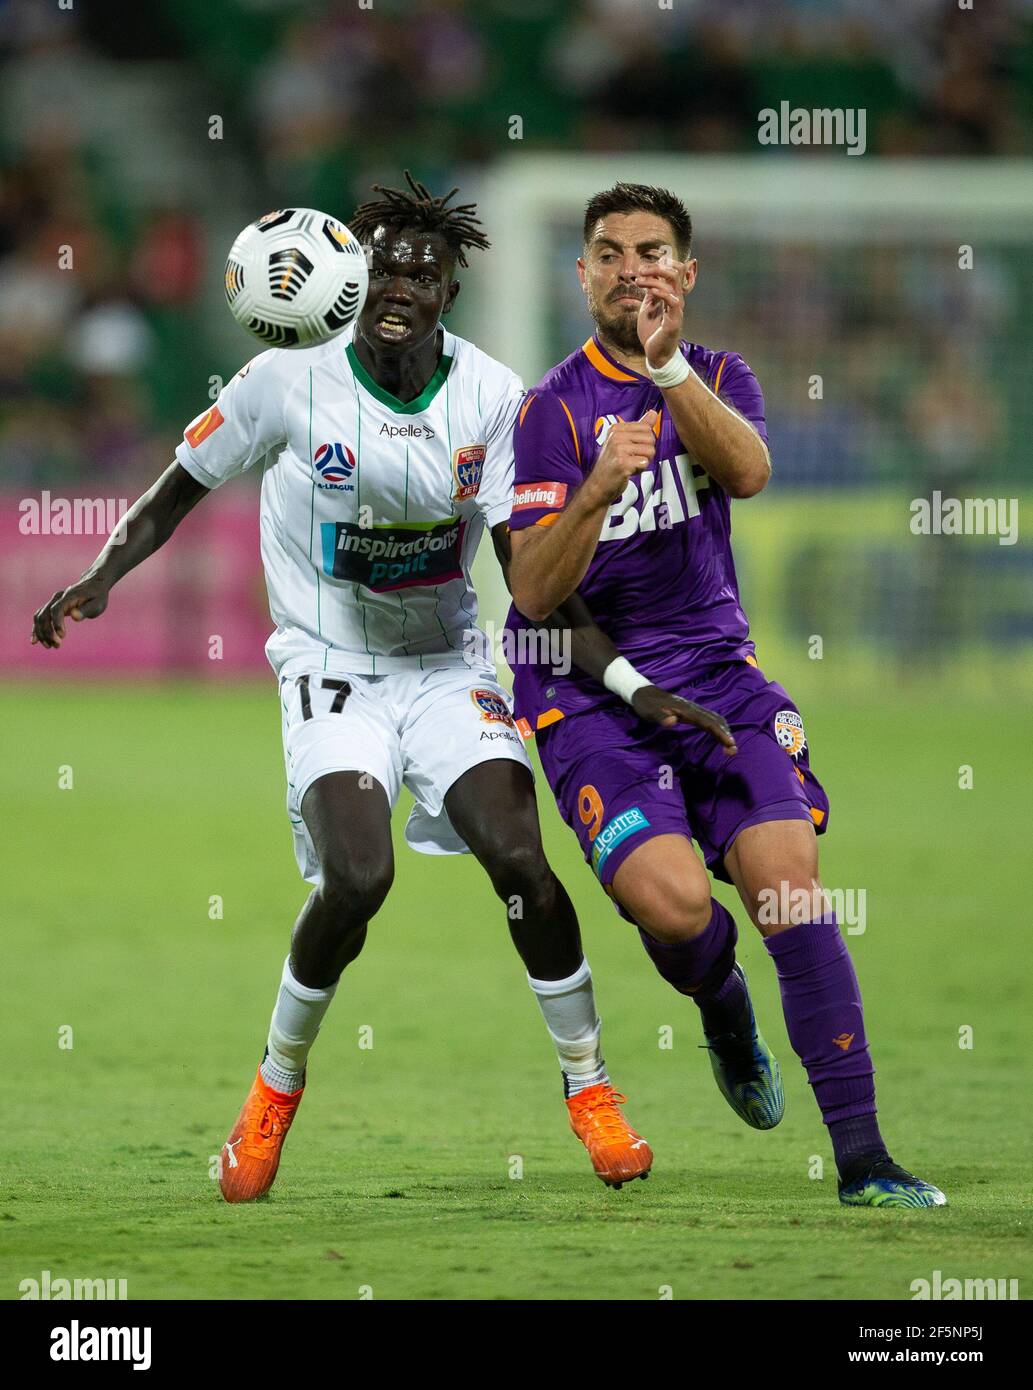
(606, 365)
(420, 402)
(609, 367)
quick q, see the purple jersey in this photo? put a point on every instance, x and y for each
(662, 581)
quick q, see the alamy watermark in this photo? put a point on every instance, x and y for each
(794, 906)
(49, 1286)
(978, 1289)
(824, 125)
(73, 516)
(527, 646)
(966, 516)
(79, 1343)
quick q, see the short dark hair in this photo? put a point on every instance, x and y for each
(642, 197)
(418, 209)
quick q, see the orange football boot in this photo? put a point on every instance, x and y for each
(251, 1155)
(618, 1154)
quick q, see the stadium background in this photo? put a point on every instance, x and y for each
(106, 123)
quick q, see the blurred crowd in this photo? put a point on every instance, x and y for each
(93, 322)
(103, 287)
(934, 79)
(631, 74)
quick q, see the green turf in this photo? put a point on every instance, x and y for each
(397, 1174)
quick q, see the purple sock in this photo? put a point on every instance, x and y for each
(702, 967)
(825, 1022)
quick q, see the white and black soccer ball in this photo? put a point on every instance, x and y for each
(296, 277)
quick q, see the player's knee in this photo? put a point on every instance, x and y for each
(518, 869)
(676, 912)
(354, 887)
(790, 901)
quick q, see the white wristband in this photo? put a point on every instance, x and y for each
(622, 678)
(673, 372)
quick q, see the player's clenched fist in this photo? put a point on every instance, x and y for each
(629, 448)
(87, 598)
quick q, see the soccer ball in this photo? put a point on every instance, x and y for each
(296, 277)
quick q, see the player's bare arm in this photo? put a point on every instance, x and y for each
(590, 648)
(549, 562)
(147, 525)
(592, 651)
(725, 444)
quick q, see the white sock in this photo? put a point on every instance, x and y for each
(292, 1031)
(568, 1007)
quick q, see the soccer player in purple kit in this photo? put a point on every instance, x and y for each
(627, 455)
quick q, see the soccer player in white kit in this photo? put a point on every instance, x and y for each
(386, 452)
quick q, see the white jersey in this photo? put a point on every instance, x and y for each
(372, 509)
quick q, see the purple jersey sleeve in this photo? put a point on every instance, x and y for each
(547, 458)
(735, 383)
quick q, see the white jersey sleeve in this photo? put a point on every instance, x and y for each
(244, 425)
(495, 496)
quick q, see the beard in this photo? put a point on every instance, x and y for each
(617, 323)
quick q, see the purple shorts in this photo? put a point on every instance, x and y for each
(618, 780)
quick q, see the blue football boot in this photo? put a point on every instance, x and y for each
(746, 1071)
(886, 1184)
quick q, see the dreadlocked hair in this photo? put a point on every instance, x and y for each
(458, 226)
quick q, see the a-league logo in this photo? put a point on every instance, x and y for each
(335, 462)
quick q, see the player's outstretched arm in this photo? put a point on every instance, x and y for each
(593, 652)
(549, 562)
(146, 527)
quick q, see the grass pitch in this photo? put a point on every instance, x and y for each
(397, 1177)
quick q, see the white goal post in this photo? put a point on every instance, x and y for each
(750, 198)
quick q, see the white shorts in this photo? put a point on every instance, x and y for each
(423, 729)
